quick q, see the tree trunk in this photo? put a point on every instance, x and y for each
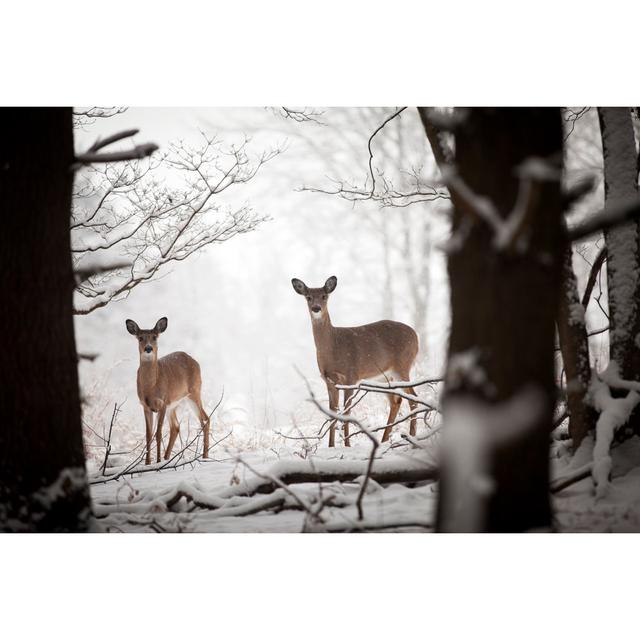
(574, 344)
(623, 262)
(42, 469)
(501, 348)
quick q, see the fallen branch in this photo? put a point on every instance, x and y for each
(558, 484)
(392, 469)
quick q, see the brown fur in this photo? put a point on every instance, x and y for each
(348, 355)
(161, 382)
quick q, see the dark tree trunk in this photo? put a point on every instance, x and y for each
(622, 242)
(574, 344)
(42, 468)
(504, 308)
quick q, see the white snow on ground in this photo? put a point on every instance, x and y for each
(614, 413)
(143, 502)
(577, 508)
(138, 502)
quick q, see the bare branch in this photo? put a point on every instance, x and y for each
(138, 152)
(593, 275)
(135, 213)
(608, 218)
(305, 114)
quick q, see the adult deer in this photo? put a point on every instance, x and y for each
(163, 383)
(348, 355)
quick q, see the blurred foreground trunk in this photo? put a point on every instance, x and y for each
(500, 389)
(42, 468)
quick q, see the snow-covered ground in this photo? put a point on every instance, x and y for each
(578, 509)
(219, 497)
(146, 502)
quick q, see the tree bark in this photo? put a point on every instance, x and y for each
(623, 261)
(574, 344)
(504, 307)
(42, 468)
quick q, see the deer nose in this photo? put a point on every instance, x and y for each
(316, 308)
(148, 348)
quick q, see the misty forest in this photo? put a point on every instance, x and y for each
(297, 319)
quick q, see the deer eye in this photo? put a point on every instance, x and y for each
(309, 298)
(324, 297)
(154, 338)
(140, 339)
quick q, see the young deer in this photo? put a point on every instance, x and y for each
(347, 355)
(163, 384)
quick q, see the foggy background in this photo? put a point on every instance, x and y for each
(232, 306)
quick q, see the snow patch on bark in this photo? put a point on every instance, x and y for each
(464, 370)
(474, 429)
(70, 480)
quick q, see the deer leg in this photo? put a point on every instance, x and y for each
(412, 406)
(174, 430)
(148, 423)
(205, 423)
(334, 402)
(394, 407)
(346, 397)
(159, 434)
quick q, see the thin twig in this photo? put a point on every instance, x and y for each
(108, 447)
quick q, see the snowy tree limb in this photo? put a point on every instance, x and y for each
(136, 213)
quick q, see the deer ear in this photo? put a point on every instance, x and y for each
(330, 284)
(161, 325)
(132, 327)
(299, 286)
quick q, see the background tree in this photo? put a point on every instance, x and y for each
(392, 197)
(42, 474)
(623, 249)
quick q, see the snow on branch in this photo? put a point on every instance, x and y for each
(145, 214)
(614, 413)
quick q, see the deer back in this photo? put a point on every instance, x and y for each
(369, 351)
